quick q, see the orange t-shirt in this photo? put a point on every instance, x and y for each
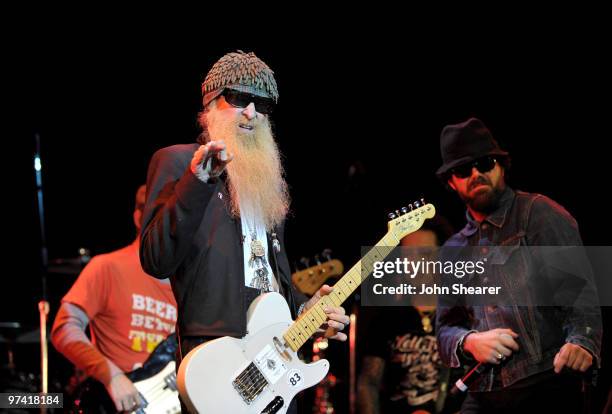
(129, 311)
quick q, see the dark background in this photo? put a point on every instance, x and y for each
(358, 122)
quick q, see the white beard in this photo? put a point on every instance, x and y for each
(256, 176)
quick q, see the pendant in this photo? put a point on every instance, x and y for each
(261, 281)
(426, 324)
(257, 251)
(257, 248)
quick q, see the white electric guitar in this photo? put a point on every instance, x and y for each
(261, 372)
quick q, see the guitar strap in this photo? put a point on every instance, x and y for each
(272, 242)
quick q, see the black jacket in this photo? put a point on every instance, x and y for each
(189, 235)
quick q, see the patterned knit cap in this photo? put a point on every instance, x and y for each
(243, 72)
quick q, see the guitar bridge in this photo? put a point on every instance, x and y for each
(250, 383)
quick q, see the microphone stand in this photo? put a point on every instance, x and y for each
(43, 305)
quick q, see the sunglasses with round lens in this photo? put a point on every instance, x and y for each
(483, 165)
(242, 100)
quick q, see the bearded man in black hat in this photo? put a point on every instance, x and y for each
(530, 353)
(213, 219)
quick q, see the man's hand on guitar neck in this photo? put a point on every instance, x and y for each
(336, 316)
(123, 393)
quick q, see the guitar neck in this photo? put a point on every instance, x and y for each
(311, 320)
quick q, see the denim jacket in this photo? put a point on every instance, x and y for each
(522, 219)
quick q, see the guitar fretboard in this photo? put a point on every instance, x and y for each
(311, 320)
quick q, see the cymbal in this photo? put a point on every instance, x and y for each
(71, 265)
(30, 337)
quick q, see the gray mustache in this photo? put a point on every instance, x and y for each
(477, 181)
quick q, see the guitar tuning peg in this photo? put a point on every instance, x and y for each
(423, 201)
(417, 204)
(391, 216)
(326, 253)
(411, 207)
(404, 210)
(305, 262)
(317, 260)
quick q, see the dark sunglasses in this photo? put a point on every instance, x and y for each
(483, 165)
(242, 100)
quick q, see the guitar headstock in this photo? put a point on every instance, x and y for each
(409, 219)
(309, 280)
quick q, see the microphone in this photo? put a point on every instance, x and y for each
(211, 163)
(463, 384)
(474, 372)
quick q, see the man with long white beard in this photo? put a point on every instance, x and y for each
(214, 214)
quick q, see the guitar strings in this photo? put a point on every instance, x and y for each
(158, 390)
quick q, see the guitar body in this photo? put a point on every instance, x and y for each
(155, 381)
(160, 392)
(250, 374)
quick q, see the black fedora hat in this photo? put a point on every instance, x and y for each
(466, 142)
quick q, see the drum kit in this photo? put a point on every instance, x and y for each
(24, 347)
